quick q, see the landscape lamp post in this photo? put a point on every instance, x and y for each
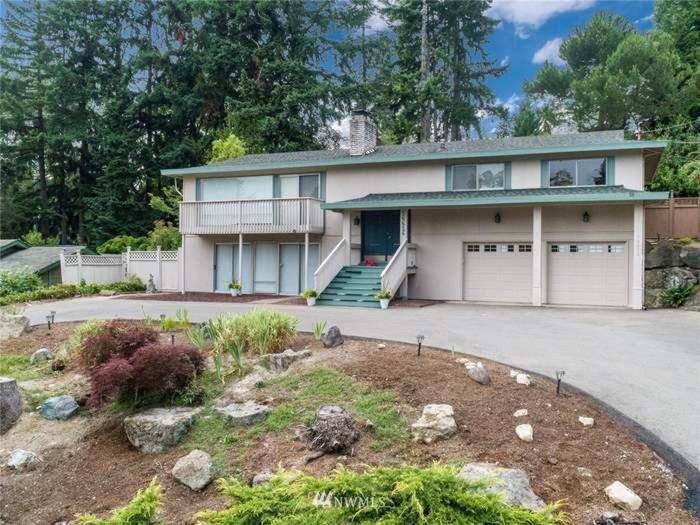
(420, 339)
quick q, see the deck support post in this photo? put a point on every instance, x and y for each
(240, 260)
(306, 261)
(637, 299)
(537, 256)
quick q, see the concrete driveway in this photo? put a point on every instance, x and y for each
(644, 364)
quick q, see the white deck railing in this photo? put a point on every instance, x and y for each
(330, 266)
(396, 271)
(302, 215)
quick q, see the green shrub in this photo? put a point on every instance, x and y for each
(141, 510)
(676, 297)
(264, 331)
(165, 235)
(318, 329)
(685, 241)
(310, 293)
(18, 281)
(64, 291)
(120, 243)
(392, 496)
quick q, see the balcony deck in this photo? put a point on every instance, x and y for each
(302, 215)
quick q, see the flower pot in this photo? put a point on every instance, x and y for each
(235, 292)
(384, 303)
(311, 301)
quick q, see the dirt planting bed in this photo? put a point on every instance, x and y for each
(565, 461)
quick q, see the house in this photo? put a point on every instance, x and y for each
(556, 220)
(45, 261)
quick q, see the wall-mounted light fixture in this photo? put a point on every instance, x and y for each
(356, 220)
(586, 217)
(497, 218)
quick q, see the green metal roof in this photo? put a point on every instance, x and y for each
(505, 147)
(495, 197)
(37, 259)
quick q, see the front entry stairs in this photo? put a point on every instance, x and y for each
(354, 286)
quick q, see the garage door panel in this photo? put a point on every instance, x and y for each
(498, 272)
(587, 274)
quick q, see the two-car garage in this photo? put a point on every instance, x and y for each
(574, 273)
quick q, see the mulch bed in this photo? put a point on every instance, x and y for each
(104, 471)
(208, 297)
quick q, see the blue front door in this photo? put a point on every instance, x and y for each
(380, 233)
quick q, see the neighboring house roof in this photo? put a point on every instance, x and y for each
(495, 197)
(510, 146)
(11, 245)
(38, 259)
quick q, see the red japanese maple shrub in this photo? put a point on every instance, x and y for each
(161, 371)
(110, 381)
(115, 339)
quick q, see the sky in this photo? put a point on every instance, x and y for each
(531, 31)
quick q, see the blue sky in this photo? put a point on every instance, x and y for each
(531, 31)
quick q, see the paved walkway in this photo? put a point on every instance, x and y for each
(645, 364)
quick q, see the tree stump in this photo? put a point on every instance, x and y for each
(333, 430)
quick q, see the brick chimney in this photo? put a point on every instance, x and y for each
(363, 133)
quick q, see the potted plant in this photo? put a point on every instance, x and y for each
(384, 297)
(310, 295)
(235, 287)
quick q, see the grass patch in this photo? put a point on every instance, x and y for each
(214, 435)
(35, 398)
(18, 367)
(323, 386)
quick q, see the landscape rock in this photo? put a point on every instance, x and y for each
(12, 325)
(261, 478)
(665, 278)
(520, 413)
(623, 497)
(244, 414)
(22, 460)
(333, 338)
(524, 432)
(333, 430)
(436, 422)
(478, 373)
(10, 403)
(664, 253)
(586, 421)
(59, 407)
(381, 346)
(584, 472)
(552, 460)
(514, 373)
(283, 360)
(195, 470)
(43, 354)
(244, 389)
(690, 256)
(513, 485)
(693, 301)
(153, 431)
(522, 379)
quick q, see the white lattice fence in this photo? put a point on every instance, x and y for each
(164, 266)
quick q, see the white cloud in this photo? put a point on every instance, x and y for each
(527, 15)
(511, 104)
(505, 61)
(549, 52)
(649, 18)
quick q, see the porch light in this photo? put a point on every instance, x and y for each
(356, 220)
(419, 339)
(559, 375)
(586, 216)
(497, 218)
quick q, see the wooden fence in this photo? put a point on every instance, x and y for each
(163, 265)
(675, 218)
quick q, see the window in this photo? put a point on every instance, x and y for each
(524, 248)
(507, 248)
(293, 186)
(614, 248)
(489, 247)
(581, 172)
(478, 177)
(573, 248)
(595, 248)
(472, 247)
(554, 248)
(234, 188)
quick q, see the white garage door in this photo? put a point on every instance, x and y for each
(499, 272)
(587, 274)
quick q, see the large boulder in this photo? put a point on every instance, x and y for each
(244, 414)
(282, 361)
(436, 422)
(513, 485)
(195, 470)
(693, 301)
(244, 389)
(478, 373)
(622, 496)
(10, 403)
(22, 460)
(12, 325)
(665, 278)
(662, 255)
(333, 337)
(690, 256)
(157, 429)
(333, 429)
(59, 407)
